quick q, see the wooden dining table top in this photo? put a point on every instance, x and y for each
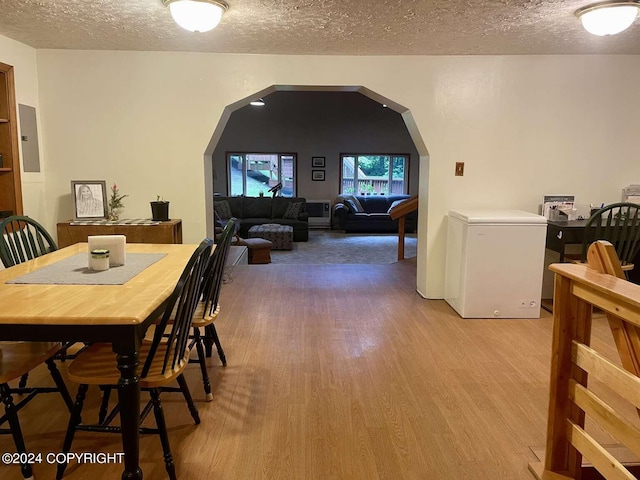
(128, 304)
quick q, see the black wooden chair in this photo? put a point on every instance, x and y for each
(22, 239)
(164, 360)
(618, 223)
(209, 307)
(16, 360)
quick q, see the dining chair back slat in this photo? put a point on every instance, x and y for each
(214, 272)
(22, 239)
(178, 313)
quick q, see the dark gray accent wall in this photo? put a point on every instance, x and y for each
(315, 124)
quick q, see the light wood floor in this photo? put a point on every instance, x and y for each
(341, 372)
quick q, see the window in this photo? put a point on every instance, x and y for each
(250, 174)
(374, 174)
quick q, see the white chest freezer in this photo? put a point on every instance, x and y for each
(495, 261)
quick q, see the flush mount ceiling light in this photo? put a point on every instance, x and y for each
(608, 18)
(257, 103)
(196, 15)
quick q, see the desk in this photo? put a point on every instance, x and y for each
(117, 314)
(561, 234)
(163, 232)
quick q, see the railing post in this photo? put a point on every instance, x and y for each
(401, 238)
(571, 321)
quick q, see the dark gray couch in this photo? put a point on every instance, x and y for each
(250, 211)
(374, 217)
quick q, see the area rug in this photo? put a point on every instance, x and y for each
(325, 246)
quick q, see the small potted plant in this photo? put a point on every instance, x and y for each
(160, 210)
(115, 203)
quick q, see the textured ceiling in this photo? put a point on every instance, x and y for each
(317, 27)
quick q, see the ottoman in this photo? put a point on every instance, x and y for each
(259, 250)
(280, 235)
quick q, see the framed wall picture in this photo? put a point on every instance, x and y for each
(89, 199)
(317, 162)
(317, 175)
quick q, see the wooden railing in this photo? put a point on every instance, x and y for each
(579, 288)
(373, 186)
(399, 212)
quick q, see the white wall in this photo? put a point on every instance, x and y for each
(524, 126)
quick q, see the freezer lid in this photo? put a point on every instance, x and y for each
(499, 217)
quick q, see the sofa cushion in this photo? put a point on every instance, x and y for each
(293, 211)
(236, 206)
(256, 207)
(376, 203)
(222, 209)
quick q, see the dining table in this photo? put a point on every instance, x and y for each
(41, 300)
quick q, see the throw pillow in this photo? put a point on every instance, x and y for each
(223, 209)
(397, 202)
(351, 205)
(293, 211)
(358, 204)
(355, 204)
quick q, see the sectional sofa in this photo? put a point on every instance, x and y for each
(250, 211)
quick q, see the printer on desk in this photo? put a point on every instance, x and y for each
(631, 194)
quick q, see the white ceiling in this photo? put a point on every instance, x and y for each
(317, 27)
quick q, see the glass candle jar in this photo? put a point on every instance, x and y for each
(99, 259)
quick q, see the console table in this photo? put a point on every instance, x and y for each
(162, 232)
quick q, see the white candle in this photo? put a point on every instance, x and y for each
(99, 259)
(114, 243)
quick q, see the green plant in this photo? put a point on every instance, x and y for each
(115, 201)
(160, 199)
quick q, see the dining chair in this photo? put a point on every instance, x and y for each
(618, 223)
(203, 318)
(163, 361)
(203, 323)
(17, 359)
(22, 239)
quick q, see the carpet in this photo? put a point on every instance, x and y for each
(325, 246)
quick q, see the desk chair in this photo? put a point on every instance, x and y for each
(618, 223)
(16, 360)
(164, 360)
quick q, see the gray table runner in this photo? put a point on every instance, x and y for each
(74, 270)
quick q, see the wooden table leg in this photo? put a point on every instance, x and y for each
(129, 398)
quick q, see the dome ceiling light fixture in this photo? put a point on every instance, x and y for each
(196, 15)
(257, 103)
(608, 18)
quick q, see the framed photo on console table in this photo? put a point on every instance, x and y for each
(317, 162)
(317, 175)
(89, 199)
